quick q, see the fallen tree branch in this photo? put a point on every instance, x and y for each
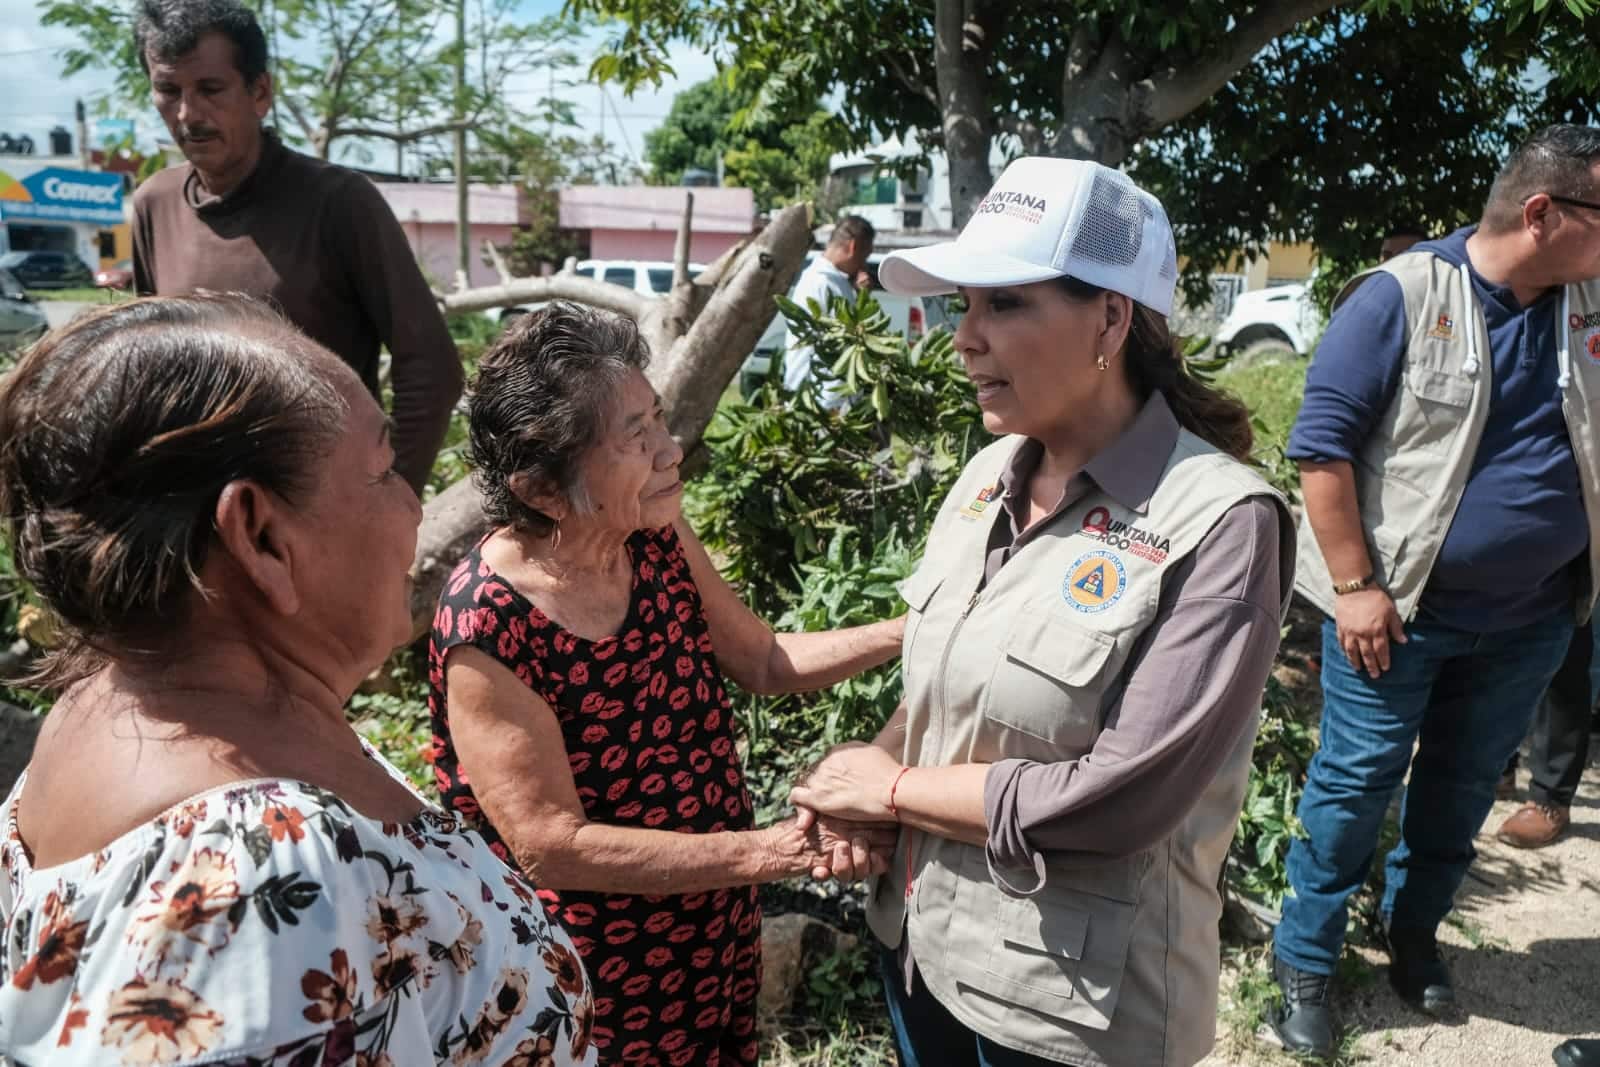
(699, 333)
(539, 290)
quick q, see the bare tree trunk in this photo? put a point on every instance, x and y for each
(463, 223)
(961, 55)
(700, 333)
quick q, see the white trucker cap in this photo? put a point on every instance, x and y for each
(1046, 218)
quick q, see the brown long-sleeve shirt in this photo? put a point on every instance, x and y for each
(318, 241)
(1189, 689)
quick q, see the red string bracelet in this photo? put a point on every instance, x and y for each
(896, 785)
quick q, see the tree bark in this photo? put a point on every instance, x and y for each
(1112, 97)
(961, 57)
(699, 333)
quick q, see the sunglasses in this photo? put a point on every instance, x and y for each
(1575, 202)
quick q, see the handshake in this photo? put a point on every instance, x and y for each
(844, 825)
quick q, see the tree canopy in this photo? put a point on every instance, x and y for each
(367, 70)
(781, 154)
(1316, 119)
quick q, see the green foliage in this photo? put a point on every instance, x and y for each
(815, 515)
(1283, 750)
(1271, 389)
(782, 155)
(1340, 125)
(363, 69)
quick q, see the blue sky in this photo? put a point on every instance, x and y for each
(34, 96)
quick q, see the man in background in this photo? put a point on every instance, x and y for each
(837, 274)
(249, 215)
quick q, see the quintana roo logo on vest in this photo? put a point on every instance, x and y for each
(1094, 582)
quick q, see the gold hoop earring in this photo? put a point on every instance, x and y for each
(555, 537)
(1101, 361)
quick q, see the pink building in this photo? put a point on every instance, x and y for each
(427, 214)
(641, 221)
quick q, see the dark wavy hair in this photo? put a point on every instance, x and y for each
(118, 434)
(1154, 361)
(541, 400)
(170, 29)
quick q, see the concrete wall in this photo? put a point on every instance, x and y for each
(657, 244)
(435, 246)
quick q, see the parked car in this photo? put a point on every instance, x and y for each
(1279, 318)
(48, 270)
(908, 315)
(117, 276)
(22, 322)
(647, 277)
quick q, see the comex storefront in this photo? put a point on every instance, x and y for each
(44, 207)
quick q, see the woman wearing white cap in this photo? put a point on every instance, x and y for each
(1091, 627)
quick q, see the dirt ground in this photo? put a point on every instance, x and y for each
(1524, 947)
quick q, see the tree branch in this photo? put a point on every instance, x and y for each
(911, 84)
(417, 133)
(680, 253)
(499, 262)
(537, 290)
(1173, 93)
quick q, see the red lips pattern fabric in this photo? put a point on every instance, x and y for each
(648, 731)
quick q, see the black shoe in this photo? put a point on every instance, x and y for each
(1579, 1052)
(1417, 971)
(1305, 1022)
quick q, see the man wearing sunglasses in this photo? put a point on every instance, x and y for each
(1451, 479)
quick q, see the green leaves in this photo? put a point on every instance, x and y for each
(818, 514)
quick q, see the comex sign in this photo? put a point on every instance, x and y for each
(55, 194)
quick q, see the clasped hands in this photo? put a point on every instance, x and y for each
(845, 811)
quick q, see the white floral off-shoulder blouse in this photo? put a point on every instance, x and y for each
(268, 923)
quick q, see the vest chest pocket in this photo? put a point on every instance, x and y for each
(1440, 387)
(1047, 684)
(917, 591)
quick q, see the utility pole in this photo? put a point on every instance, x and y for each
(463, 230)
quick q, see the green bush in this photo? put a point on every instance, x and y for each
(815, 515)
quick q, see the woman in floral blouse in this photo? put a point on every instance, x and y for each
(203, 863)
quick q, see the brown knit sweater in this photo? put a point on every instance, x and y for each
(319, 242)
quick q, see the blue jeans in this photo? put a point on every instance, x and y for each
(1468, 698)
(927, 1035)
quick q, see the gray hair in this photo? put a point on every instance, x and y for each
(542, 399)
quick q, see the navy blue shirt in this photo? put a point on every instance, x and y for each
(1508, 557)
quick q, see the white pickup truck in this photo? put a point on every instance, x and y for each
(1279, 318)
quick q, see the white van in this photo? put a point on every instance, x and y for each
(647, 277)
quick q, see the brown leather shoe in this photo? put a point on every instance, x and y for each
(1534, 825)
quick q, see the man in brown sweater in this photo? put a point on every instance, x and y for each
(249, 215)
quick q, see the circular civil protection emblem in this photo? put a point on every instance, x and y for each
(1094, 582)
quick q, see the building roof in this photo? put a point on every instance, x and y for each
(656, 207)
(436, 202)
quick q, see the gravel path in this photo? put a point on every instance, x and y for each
(1524, 947)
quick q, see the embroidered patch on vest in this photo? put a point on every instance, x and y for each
(1579, 322)
(981, 501)
(1145, 544)
(1591, 345)
(1094, 582)
(1444, 329)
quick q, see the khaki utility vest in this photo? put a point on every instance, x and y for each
(1413, 468)
(1108, 962)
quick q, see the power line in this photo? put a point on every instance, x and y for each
(32, 51)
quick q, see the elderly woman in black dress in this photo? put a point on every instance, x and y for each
(578, 702)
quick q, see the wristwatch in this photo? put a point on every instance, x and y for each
(1354, 585)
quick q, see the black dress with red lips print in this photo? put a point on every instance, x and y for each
(649, 739)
